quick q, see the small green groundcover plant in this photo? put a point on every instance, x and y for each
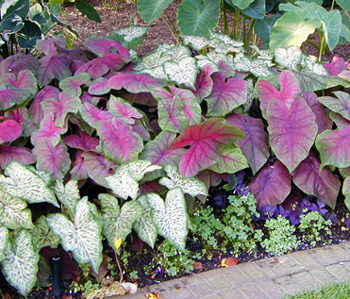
(152, 135)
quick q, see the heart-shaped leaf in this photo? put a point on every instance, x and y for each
(82, 237)
(204, 141)
(92, 115)
(99, 86)
(340, 121)
(20, 264)
(53, 67)
(78, 171)
(150, 10)
(18, 62)
(292, 130)
(170, 217)
(340, 105)
(24, 184)
(271, 185)
(68, 195)
(290, 58)
(84, 141)
(137, 169)
(123, 185)
(42, 235)
(331, 25)
(333, 146)
(190, 186)
(227, 94)
(9, 130)
(102, 46)
(72, 84)
(118, 222)
(324, 185)
(14, 153)
(14, 212)
(204, 82)
(182, 72)
(4, 236)
(123, 110)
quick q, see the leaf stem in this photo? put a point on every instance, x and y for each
(173, 30)
(235, 24)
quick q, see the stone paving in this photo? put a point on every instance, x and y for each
(266, 278)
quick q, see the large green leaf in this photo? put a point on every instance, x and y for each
(83, 236)
(263, 28)
(241, 4)
(292, 29)
(190, 186)
(118, 222)
(171, 217)
(150, 10)
(4, 236)
(42, 235)
(344, 4)
(24, 184)
(331, 25)
(144, 225)
(20, 264)
(197, 17)
(88, 10)
(14, 212)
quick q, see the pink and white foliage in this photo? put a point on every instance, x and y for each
(84, 141)
(204, 82)
(9, 130)
(123, 110)
(55, 66)
(92, 115)
(15, 153)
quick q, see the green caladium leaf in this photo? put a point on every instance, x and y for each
(182, 72)
(231, 160)
(331, 26)
(42, 235)
(346, 191)
(83, 236)
(292, 29)
(88, 10)
(118, 222)
(68, 195)
(241, 4)
(197, 17)
(144, 225)
(190, 186)
(14, 212)
(150, 10)
(4, 237)
(341, 104)
(24, 184)
(263, 28)
(171, 217)
(20, 264)
(344, 4)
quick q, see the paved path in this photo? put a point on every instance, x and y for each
(267, 278)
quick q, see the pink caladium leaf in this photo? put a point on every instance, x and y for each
(336, 66)
(49, 46)
(227, 94)
(53, 67)
(61, 106)
(322, 119)
(204, 141)
(15, 153)
(99, 87)
(333, 146)
(53, 159)
(143, 98)
(100, 66)
(124, 111)
(118, 142)
(35, 108)
(255, 143)
(88, 98)
(78, 171)
(158, 151)
(10, 96)
(9, 130)
(73, 84)
(340, 121)
(292, 130)
(271, 185)
(92, 115)
(98, 167)
(289, 90)
(177, 109)
(18, 62)
(340, 104)
(83, 142)
(24, 80)
(324, 185)
(204, 82)
(142, 129)
(103, 46)
(21, 115)
(48, 131)
(133, 82)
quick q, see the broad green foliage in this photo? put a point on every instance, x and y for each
(150, 10)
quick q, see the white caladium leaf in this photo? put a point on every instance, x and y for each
(138, 169)
(170, 217)
(14, 212)
(196, 42)
(68, 195)
(225, 39)
(118, 222)
(82, 237)
(182, 72)
(4, 237)
(24, 184)
(132, 32)
(20, 264)
(289, 58)
(42, 235)
(178, 52)
(144, 225)
(123, 185)
(258, 67)
(190, 186)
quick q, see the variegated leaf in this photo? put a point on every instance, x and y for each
(123, 185)
(14, 212)
(131, 33)
(24, 184)
(20, 264)
(68, 195)
(196, 42)
(144, 226)
(118, 222)
(171, 217)
(289, 58)
(42, 235)
(83, 236)
(138, 169)
(182, 72)
(4, 237)
(190, 186)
